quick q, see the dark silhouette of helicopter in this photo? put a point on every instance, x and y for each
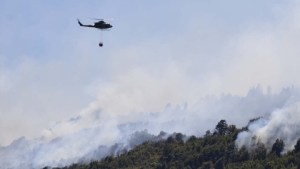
(99, 25)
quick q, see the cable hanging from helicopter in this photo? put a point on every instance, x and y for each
(100, 24)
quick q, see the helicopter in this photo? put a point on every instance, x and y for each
(102, 25)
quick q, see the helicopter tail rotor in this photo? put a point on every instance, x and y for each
(79, 22)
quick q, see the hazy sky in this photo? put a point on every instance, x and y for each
(158, 52)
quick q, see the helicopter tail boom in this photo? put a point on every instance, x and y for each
(83, 24)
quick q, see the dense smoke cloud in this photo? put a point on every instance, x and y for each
(282, 123)
(200, 57)
(94, 133)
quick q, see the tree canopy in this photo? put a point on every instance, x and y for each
(209, 151)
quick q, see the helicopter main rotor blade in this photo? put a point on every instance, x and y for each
(97, 19)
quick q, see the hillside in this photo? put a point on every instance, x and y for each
(215, 149)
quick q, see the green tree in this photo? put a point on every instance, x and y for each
(222, 127)
(278, 147)
(232, 128)
(179, 137)
(260, 152)
(242, 155)
(297, 146)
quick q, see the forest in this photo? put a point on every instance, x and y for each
(216, 149)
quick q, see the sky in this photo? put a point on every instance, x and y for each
(158, 52)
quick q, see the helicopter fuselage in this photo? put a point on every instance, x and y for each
(98, 25)
(101, 25)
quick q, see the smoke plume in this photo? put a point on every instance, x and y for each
(282, 123)
(94, 133)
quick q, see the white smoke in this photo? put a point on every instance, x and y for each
(94, 133)
(282, 123)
